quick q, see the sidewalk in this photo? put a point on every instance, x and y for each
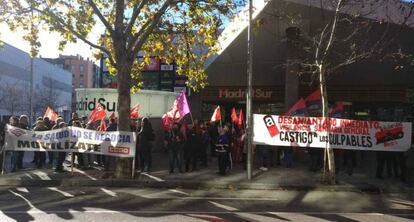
(279, 178)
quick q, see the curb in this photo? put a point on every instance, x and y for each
(200, 185)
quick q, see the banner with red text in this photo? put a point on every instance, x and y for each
(339, 133)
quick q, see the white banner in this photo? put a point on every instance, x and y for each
(71, 139)
(340, 133)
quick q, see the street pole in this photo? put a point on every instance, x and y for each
(31, 92)
(249, 129)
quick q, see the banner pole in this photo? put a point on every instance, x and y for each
(73, 161)
(4, 161)
(133, 168)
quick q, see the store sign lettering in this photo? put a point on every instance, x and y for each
(238, 94)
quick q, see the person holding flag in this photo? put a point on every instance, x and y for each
(177, 112)
(169, 120)
(51, 114)
(97, 114)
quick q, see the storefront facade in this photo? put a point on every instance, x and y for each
(367, 88)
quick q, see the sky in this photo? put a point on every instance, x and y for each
(50, 43)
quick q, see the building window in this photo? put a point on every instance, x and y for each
(81, 85)
(81, 69)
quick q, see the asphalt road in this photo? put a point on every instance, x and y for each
(131, 204)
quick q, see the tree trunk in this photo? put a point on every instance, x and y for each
(328, 152)
(124, 165)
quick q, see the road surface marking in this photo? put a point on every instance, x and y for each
(84, 173)
(223, 206)
(41, 175)
(110, 193)
(28, 175)
(66, 194)
(37, 211)
(179, 191)
(22, 189)
(25, 199)
(153, 177)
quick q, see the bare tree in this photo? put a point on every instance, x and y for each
(350, 32)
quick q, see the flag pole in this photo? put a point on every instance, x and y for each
(191, 116)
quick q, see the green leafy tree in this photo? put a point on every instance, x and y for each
(174, 30)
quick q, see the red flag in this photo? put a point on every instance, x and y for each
(314, 101)
(134, 113)
(97, 114)
(234, 117)
(241, 119)
(216, 115)
(167, 122)
(299, 109)
(112, 116)
(337, 111)
(52, 115)
(102, 127)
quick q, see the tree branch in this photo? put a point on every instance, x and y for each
(69, 28)
(135, 13)
(328, 46)
(147, 31)
(101, 17)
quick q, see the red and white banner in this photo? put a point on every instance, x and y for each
(338, 133)
(71, 139)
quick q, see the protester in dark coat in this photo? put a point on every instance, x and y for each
(23, 124)
(40, 156)
(205, 142)
(73, 119)
(191, 149)
(14, 121)
(108, 160)
(77, 154)
(146, 136)
(175, 144)
(59, 157)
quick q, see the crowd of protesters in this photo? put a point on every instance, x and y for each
(55, 160)
(190, 146)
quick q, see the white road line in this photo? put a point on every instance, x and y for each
(200, 212)
(41, 175)
(28, 175)
(205, 198)
(110, 193)
(179, 191)
(84, 173)
(24, 198)
(66, 194)
(153, 177)
(22, 189)
(223, 206)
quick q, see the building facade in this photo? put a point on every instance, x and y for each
(52, 85)
(370, 88)
(84, 72)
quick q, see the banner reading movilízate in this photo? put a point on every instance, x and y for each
(340, 133)
(71, 139)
